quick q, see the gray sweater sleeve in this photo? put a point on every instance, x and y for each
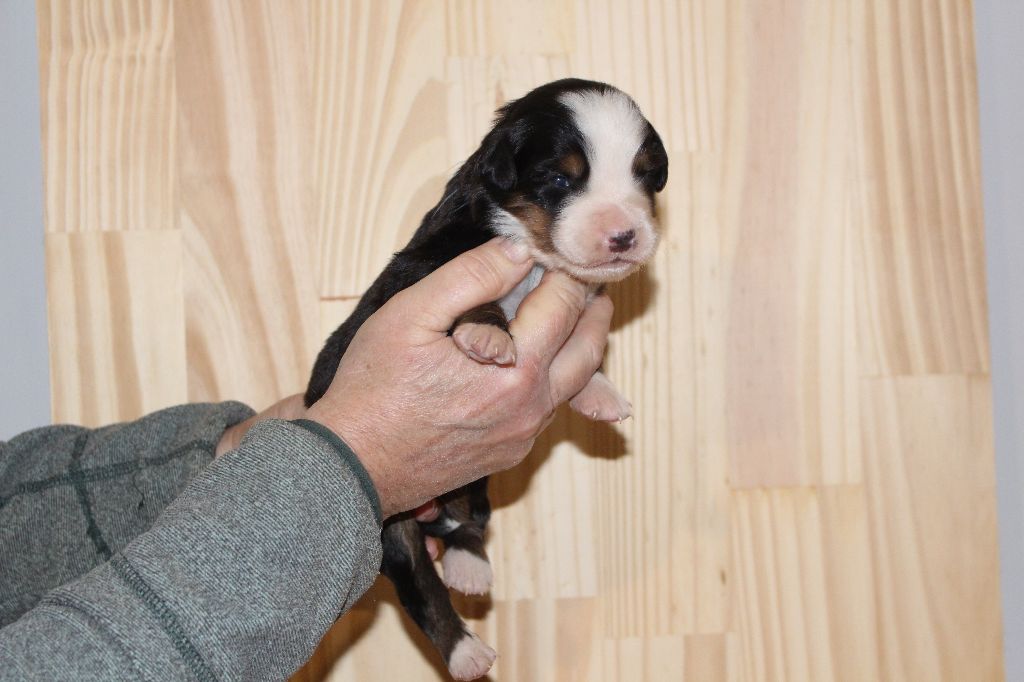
(71, 497)
(239, 578)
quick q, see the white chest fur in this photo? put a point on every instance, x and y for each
(510, 303)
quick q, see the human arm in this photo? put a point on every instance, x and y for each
(71, 497)
(241, 575)
(237, 579)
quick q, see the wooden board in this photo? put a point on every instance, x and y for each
(108, 114)
(806, 491)
(245, 200)
(116, 321)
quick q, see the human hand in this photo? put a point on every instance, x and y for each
(422, 416)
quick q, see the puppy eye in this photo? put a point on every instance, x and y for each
(560, 181)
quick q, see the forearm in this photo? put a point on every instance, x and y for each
(238, 579)
(71, 497)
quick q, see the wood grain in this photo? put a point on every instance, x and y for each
(793, 420)
(922, 248)
(116, 320)
(485, 28)
(546, 640)
(107, 87)
(804, 606)
(806, 490)
(933, 526)
(246, 193)
(379, 132)
(555, 483)
(708, 658)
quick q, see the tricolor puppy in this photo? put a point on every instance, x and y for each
(571, 170)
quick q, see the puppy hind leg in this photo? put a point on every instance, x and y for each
(462, 524)
(425, 598)
(465, 563)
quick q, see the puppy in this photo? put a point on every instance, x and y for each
(571, 170)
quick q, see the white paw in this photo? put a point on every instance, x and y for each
(601, 401)
(485, 343)
(466, 572)
(470, 658)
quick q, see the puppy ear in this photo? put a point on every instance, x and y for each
(498, 166)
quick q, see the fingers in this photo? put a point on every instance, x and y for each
(583, 351)
(479, 276)
(547, 316)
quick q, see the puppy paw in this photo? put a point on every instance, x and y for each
(470, 658)
(485, 343)
(466, 572)
(601, 401)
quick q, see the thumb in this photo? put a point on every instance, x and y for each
(481, 275)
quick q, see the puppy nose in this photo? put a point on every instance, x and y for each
(622, 241)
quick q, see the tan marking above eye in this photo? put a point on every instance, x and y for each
(643, 162)
(648, 158)
(573, 165)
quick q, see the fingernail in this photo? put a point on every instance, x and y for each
(516, 251)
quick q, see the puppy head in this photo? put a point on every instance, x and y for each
(573, 167)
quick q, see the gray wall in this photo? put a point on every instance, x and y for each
(999, 30)
(24, 364)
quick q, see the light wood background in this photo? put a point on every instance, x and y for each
(806, 492)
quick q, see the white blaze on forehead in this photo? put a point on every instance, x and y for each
(613, 129)
(613, 200)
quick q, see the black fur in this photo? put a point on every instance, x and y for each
(514, 166)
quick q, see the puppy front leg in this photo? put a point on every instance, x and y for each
(601, 401)
(483, 335)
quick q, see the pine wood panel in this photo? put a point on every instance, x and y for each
(804, 601)
(547, 639)
(923, 293)
(555, 483)
(116, 321)
(792, 420)
(380, 133)
(246, 190)
(672, 577)
(107, 89)
(933, 526)
(806, 490)
(709, 658)
(485, 28)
